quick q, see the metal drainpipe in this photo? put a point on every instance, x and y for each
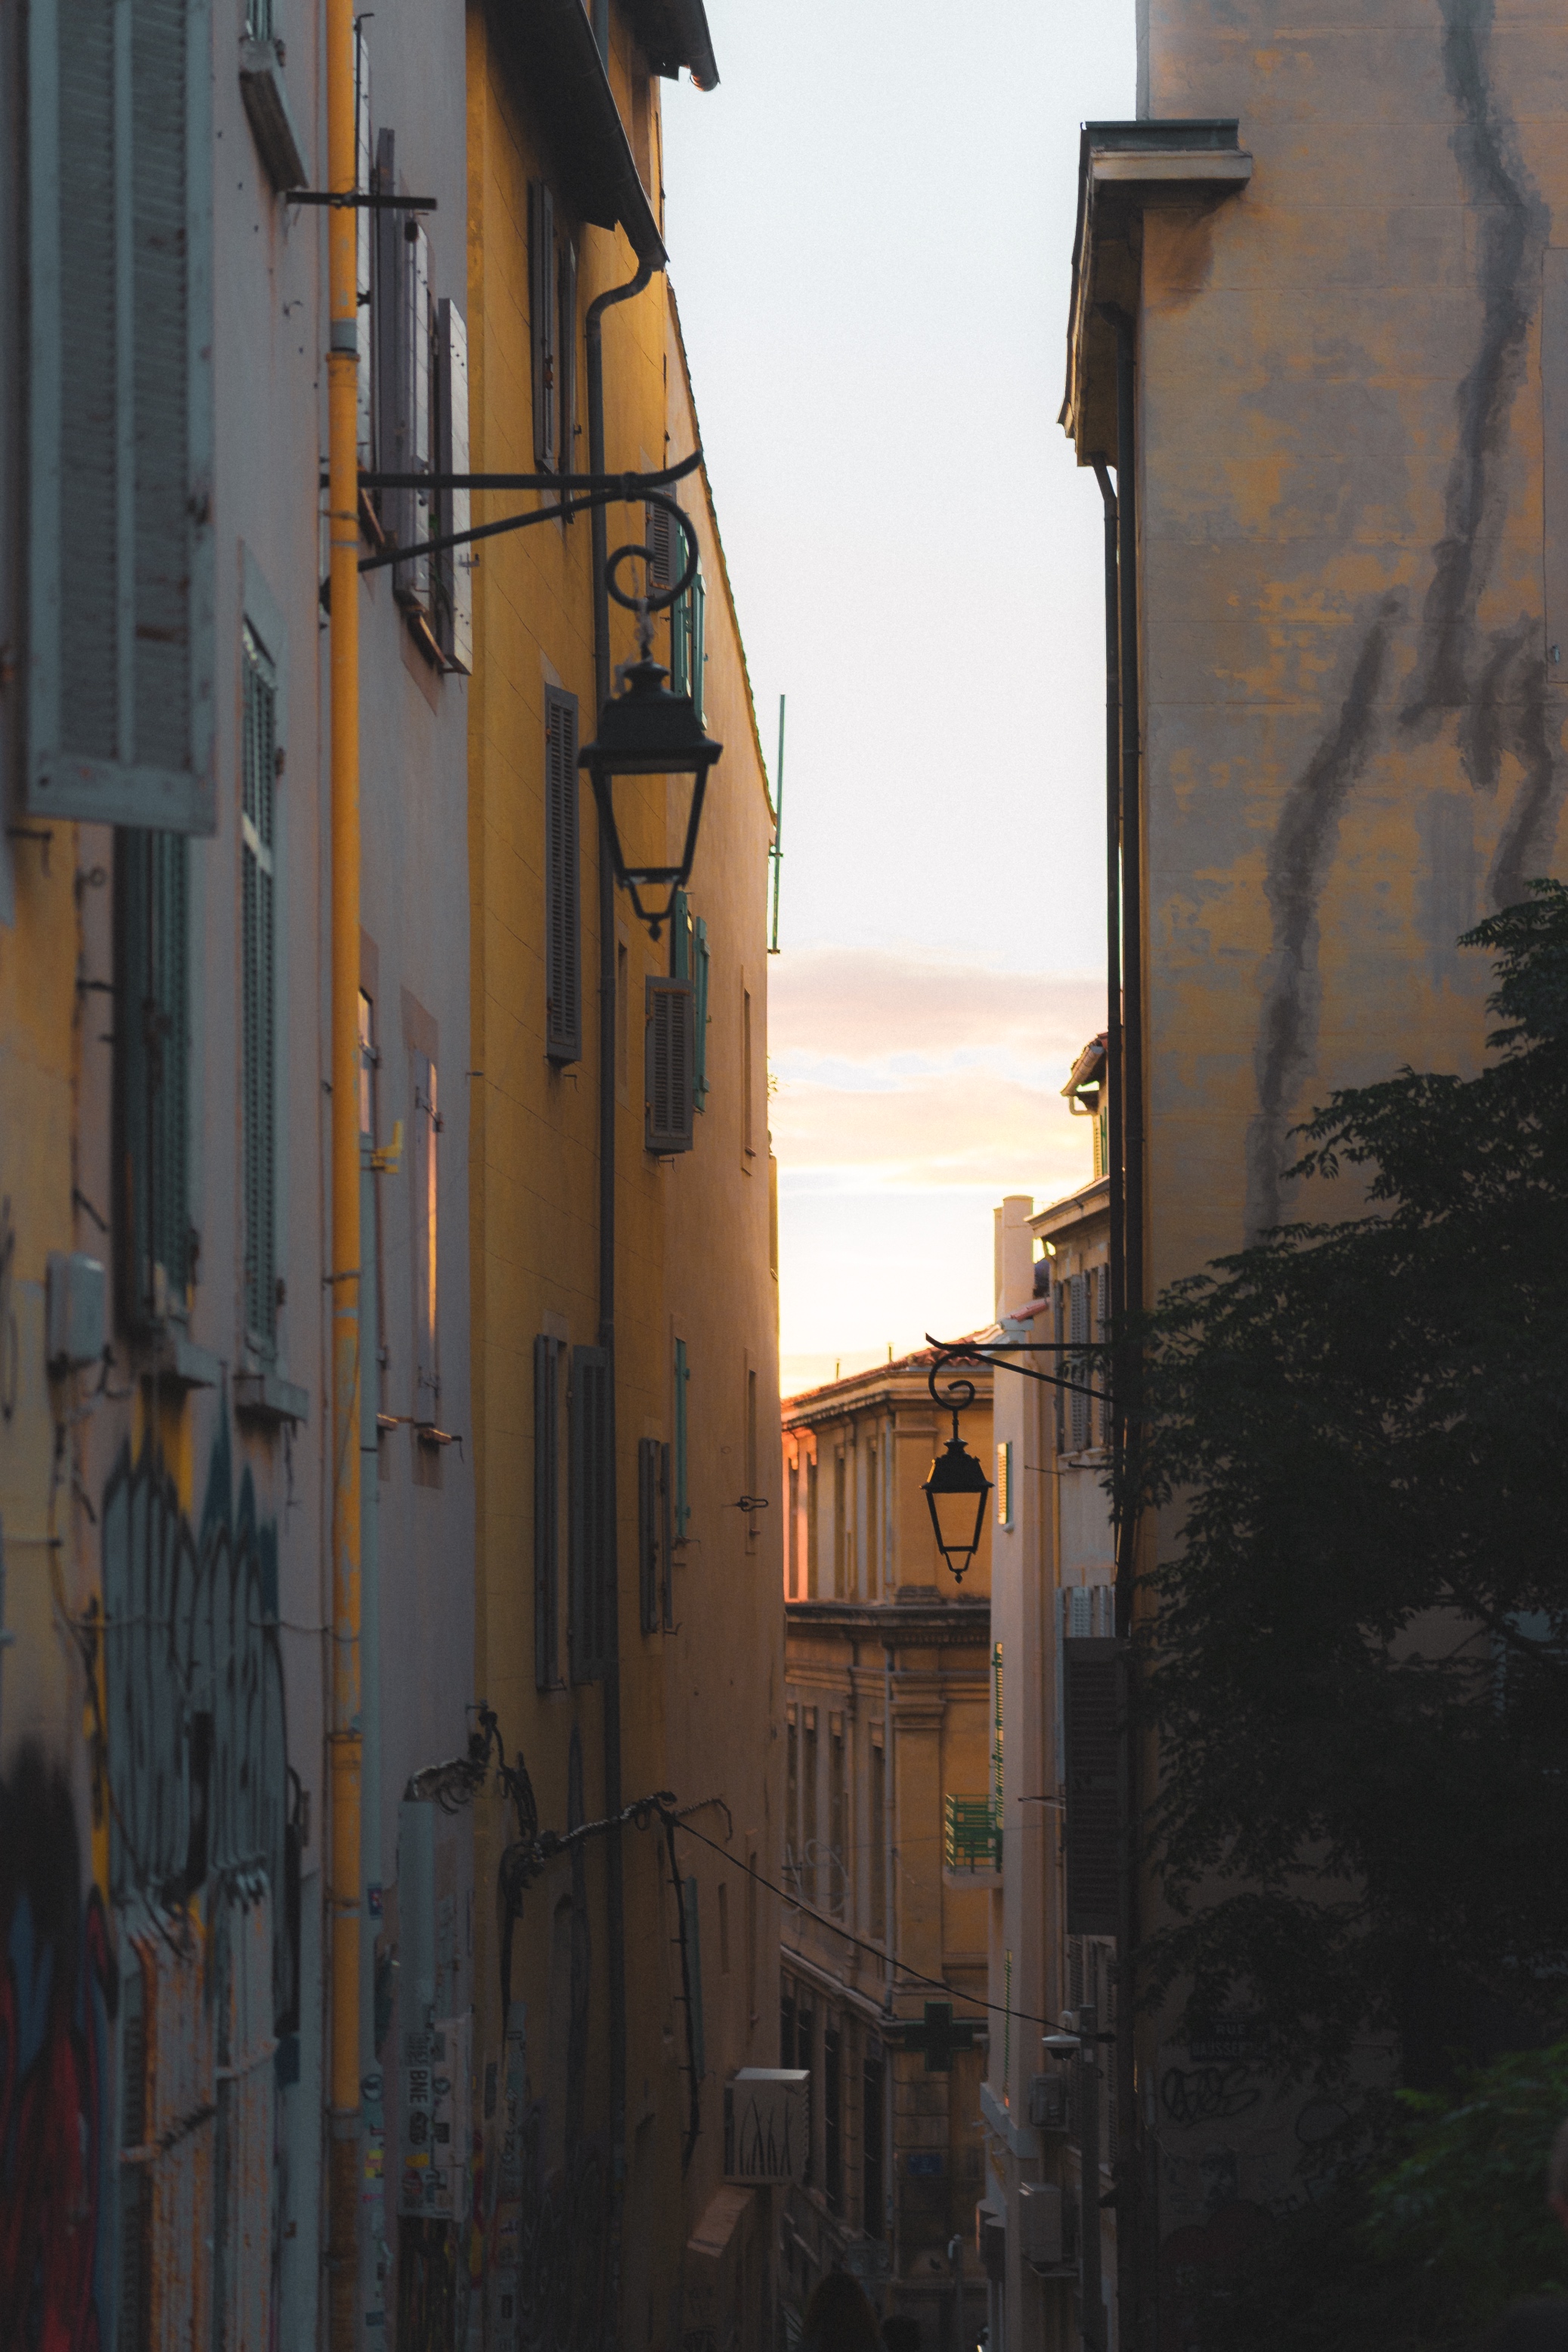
(1134, 2186)
(614, 1893)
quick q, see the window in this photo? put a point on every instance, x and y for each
(754, 1466)
(258, 756)
(832, 2119)
(1059, 1335)
(563, 940)
(694, 1911)
(668, 1054)
(879, 1841)
(549, 1495)
(688, 961)
(119, 594)
(840, 1529)
(873, 1522)
(153, 1076)
(786, 2026)
(1079, 1402)
(808, 1804)
(544, 297)
(997, 1799)
(791, 1806)
(813, 1537)
(748, 1118)
(682, 1497)
(724, 1894)
(424, 1207)
(453, 578)
(653, 1533)
(1099, 1323)
(687, 650)
(873, 2133)
(590, 1535)
(839, 1816)
(792, 1533)
(367, 1061)
(806, 2059)
(1004, 1482)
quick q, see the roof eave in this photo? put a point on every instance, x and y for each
(553, 42)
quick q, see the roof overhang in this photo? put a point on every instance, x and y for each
(675, 33)
(551, 45)
(1126, 169)
(1090, 1201)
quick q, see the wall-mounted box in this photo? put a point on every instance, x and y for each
(76, 1311)
(767, 2118)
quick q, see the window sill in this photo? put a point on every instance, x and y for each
(268, 1398)
(176, 1362)
(271, 123)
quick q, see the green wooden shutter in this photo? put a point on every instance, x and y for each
(592, 1516)
(699, 1017)
(680, 644)
(563, 944)
(668, 1066)
(547, 1354)
(680, 937)
(119, 687)
(697, 631)
(152, 1075)
(682, 1488)
(259, 754)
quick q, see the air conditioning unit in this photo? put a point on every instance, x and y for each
(1048, 2102)
(1047, 2233)
(766, 2127)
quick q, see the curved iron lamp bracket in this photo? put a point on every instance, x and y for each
(951, 1351)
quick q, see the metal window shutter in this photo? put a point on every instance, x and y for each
(563, 944)
(669, 1057)
(454, 568)
(1091, 1677)
(592, 1515)
(542, 298)
(546, 1512)
(119, 684)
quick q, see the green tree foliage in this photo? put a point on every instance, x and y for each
(1357, 1435)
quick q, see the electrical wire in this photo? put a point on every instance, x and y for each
(914, 1976)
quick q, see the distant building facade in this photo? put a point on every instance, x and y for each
(890, 1699)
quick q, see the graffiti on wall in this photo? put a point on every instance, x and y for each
(57, 1996)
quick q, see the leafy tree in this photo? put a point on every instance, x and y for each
(1356, 1435)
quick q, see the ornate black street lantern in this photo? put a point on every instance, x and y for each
(645, 731)
(956, 1490)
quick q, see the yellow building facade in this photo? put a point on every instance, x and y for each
(624, 1296)
(887, 1845)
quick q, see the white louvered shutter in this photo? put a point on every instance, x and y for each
(119, 587)
(456, 567)
(668, 1055)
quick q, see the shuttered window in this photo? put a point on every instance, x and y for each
(669, 1057)
(650, 1549)
(1059, 1363)
(688, 639)
(566, 363)
(593, 1523)
(662, 542)
(1100, 1374)
(1078, 1402)
(544, 321)
(549, 1433)
(120, 683)
(1090, 1693)
(563, 940)
(424, 1206)
(413, 582)
(699, 1015)
(152, 1075)
(454, 566)
(682, 1476)
(365, 220)
(391, 383)
(258, 757)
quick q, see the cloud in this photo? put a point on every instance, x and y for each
(913, 1093)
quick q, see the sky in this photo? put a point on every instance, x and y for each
(869, 225)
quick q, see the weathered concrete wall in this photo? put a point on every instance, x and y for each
(1353, 715)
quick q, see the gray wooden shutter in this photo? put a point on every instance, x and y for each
(661, 546)
(365, 221)
(152, 1067)
(1079, 1404)
(454, 568)
(547, 1355)
(593, 1519)
(393, 387)
(669, 1055)
(543, 298)
(424, 1205)
(258, 756)
(1058, 1362)
(563, 939)
(1092, 1677)
(119, 684)
(566, 370)
(648, 1451)
(412, 582)
(666, 1539)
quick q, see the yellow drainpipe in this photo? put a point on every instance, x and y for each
(342, 498)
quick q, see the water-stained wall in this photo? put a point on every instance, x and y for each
(1353, 704)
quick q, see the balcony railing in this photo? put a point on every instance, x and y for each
(972, 1836)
